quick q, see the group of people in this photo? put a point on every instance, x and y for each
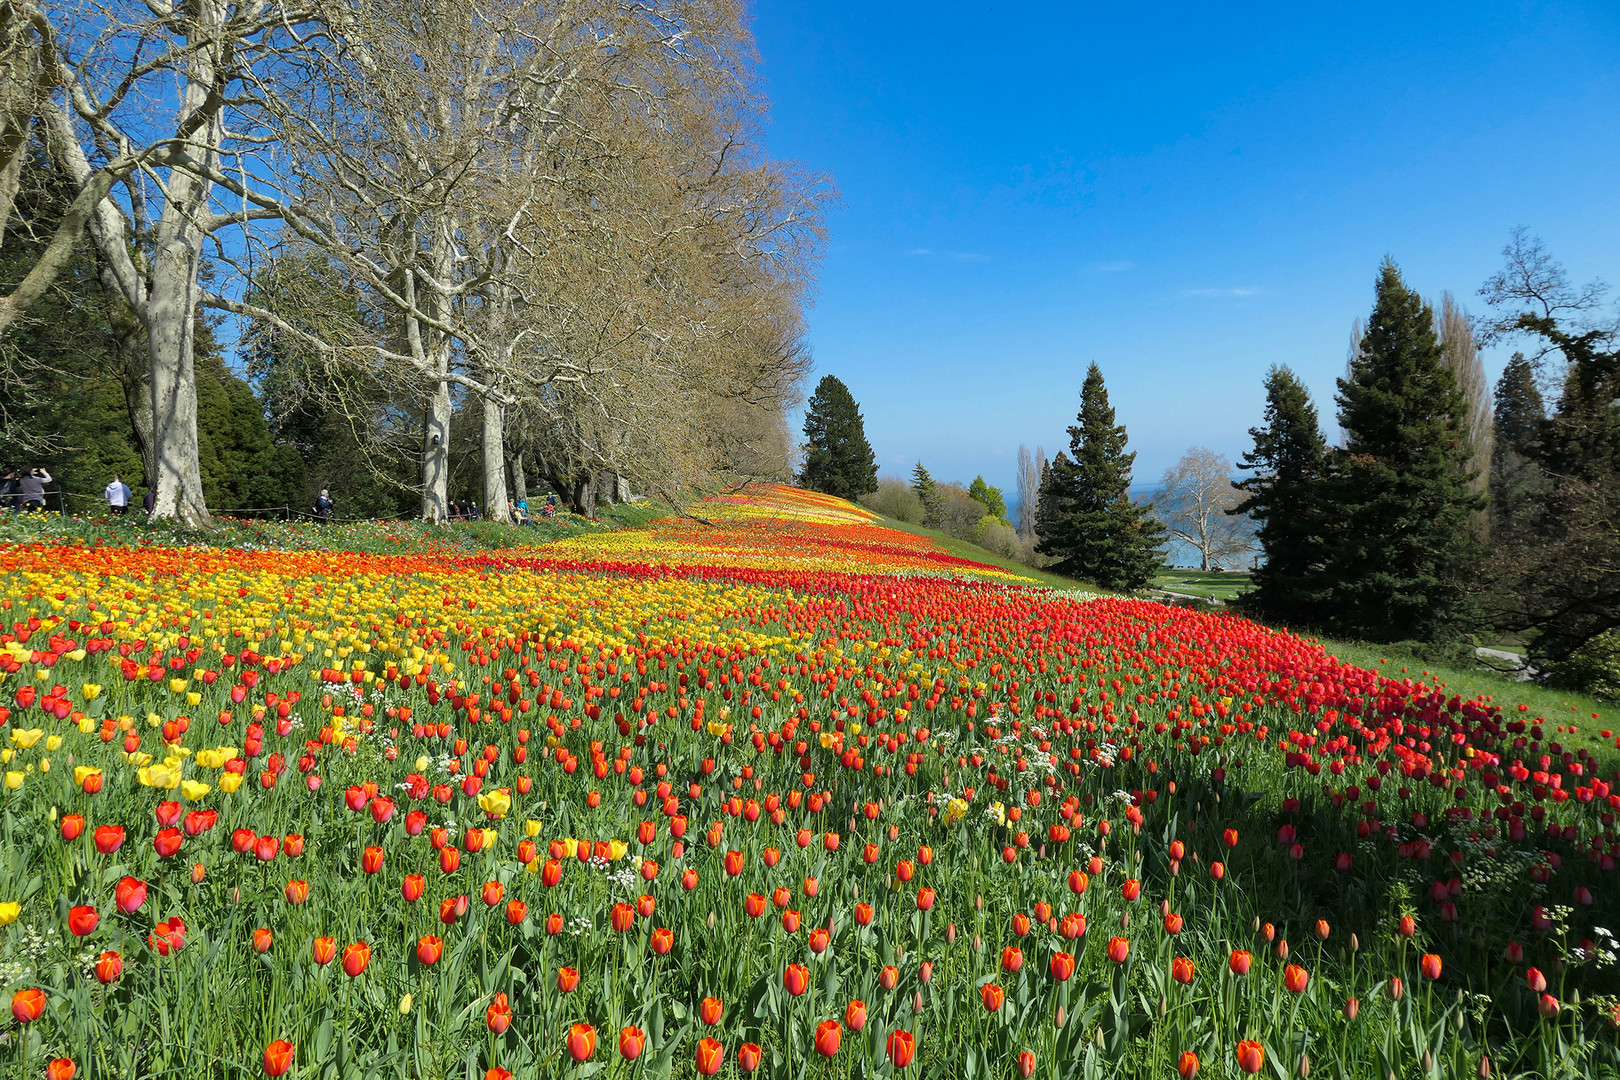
(519, 510)
(24, 490)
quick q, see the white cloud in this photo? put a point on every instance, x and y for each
(1240, 291)
(954, 256)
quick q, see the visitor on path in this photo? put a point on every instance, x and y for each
(32, 487)
(550, 509)
(9, 491)
(117, 495)
(323, 507)
(472, 510)
(520, 510)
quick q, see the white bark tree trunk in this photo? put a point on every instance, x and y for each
(436, 455)
(495, 507)
(520, 482)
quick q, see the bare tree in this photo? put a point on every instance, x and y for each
(1193, 506)
(1461, 353)
(1029, 491)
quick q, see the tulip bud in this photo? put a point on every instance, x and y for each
(1351, 1008)
(1484, 1070)
(1060, 1017)
(916, 1002)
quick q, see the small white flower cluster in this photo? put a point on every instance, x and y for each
(625, 877)
(578, 925)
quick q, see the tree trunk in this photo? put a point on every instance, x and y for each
(495, 500)
(520, 482)
(584, 495)
(436, 455)
(135, 374)
(170, 320)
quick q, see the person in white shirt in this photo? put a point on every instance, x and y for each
(117, 495)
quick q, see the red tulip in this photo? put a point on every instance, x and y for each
(925, 898)
(262, 940)
(1182, 969)
(1240, 961)
(1020, 924)
(863, 914)
(1296, 978)
(429, 949)
(828, 1036)
(567, 979)
(1026, 1064)
(554, 924)
(449, 859)
(108, 838)
(83, 920)
(1131, 889)
(902, 1048)
(1172, 923)
(1547, 1005)
(412, 887)
(60, 1069)
(1012, 958)
(297, 891)
(1217, 870)
(551, 873)
(266, 847)
(632, 1040)
(1537, 981)
(749, 1056)
(1062, 966)
(1187, 1066)
(790, 921)
(516, 911)
(168, 936)
(819, 939)
(491, 893)
(993, 996)
(72, 826)
(663, 939)
(1079, 882)
(581, 1041)
(278, 1057)
(796, 979)
(710, 1010)
(710, 1056)
(324, 950)
(1430, 966)
(1230, 838)
(1118, 949)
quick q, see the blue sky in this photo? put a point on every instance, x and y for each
(1184, 193)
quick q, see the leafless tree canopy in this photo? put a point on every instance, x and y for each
(558, 214)
(1193, 506)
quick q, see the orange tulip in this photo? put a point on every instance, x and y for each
(429, 949)
(632, 1040)
(994, 996)
(796, 979)
(1430, 966)
(710, 1056)
(710, 1010)
(581, 1041)
(356, 958)
(516, 911)
(60, 1069)
(492, 893)
(1250, 1056)
(828, 1036)
(1026, 1064)
(1062, 966)
(855, 1015)
(819, 939)
(371, 859)
(498, 1017)
(1188, 1065)
(1296, 978)
(297, 892)
(1181, 970)
(28, 1005)
(1118, 949)
(1012, 958)
(262, 940)
(1240, 961)
(324, 950)
(278, 1057)
(749, 1056)
(567, 979)
(412, 887)
(902, 1048)
(109, 966)
(623, 916)
(663, 939)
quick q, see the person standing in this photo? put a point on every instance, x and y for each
(323, 507)
(32, 486)
(9, 490)
(117, 495)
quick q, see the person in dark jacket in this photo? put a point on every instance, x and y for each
(323, 507)
(9, 490)
(32, 487)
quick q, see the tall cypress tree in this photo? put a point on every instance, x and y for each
(1087, 519)
(1400, 556)
(1515, 477)
(923, 486)
(1289, 461)
(839, 460)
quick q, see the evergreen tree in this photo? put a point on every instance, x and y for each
(1400, 556)
(1052, 503)
(1289, 461)
(994, 502)
(923, 486)
(839, 461)
(1515, 477)
(1093, 528)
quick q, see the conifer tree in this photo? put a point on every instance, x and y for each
(839, 460)
(1289, 462)
(923, 486)
(1090, 524)
(1515, 477)
(1401, 552)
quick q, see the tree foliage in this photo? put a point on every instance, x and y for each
(1197, 503)
(838, 459)
(1087, 520)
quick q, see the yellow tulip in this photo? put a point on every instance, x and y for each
(570, 847)
(52, 742)
(423, 763)
(76, 655)
(229, 782)
(90, 691)
(177, 685)
(216, 758)
(14, 780)
(82, 771)
(9, 910)
(27, 737)
(162, 775)
(496, 802)
(193, 698)
(138, 758)
(616, 850)
(194, 789)
(6, 755)
(531, 828)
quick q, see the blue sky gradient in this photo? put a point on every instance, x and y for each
(1186, 194)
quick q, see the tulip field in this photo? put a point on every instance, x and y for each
(780, 793)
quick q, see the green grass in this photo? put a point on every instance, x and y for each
(1209, 585)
